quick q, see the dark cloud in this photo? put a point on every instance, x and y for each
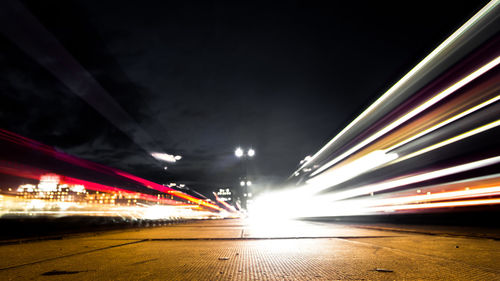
(201, 79)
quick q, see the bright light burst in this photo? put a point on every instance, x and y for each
(427, 143)
(165, 157)
(238, 152)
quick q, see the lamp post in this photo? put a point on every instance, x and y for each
(239, 152)
(244, 182)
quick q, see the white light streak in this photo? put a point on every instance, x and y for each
(446, 122)
(486, 191)
(421, 68)
(355, 168)
(450, 140)
(419, 109)
(412, 179)
(164, 157)
(439, 205)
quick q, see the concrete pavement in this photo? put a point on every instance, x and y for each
(243, 250)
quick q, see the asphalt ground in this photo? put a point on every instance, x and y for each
(257, 250)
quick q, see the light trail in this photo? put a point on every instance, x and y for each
(478, 98)
(387, 185)
(225, 204)
(446, 122)
(10, 205)
(50, 151)
(25, 171)
(301, 202)
(427, 104)
(320, 206)
(439, 205)
(460, 137)
(444, 51)
(157, 207)
(346, 172)
(369, 162)
(450, 195)
(449, 97)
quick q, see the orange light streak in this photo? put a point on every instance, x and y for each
(440, 205)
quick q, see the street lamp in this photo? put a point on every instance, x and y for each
(247, 183)
(244, 182)
(238, 152)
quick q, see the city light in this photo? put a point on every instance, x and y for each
(419, 72)
(417, 148)
(57, 195)
(169, 195)
(238, 152)
(164, 157)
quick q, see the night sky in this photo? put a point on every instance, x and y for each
(200, 79)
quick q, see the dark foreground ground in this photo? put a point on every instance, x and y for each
(23, 228)
(246, 250)
(471, 222)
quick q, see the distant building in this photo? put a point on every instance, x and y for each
(52, 188)
(225, 195)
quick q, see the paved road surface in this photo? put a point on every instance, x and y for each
(241, 250)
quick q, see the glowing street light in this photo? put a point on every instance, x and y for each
(238, 152)
(244, 183)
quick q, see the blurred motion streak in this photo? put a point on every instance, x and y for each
(414, 112)
(442, 204)
(50, 151)
(225, 204)
(429, 142)
(484, 23)
(59, 196)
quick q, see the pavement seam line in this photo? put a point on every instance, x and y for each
(266, 238)
(78, 235)
(491, 270)
(427, 233)
(71, 255)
